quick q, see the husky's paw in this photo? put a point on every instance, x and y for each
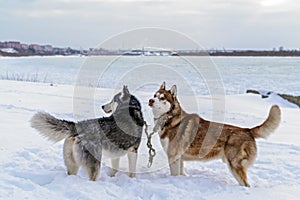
(131, 175)
(113, 172)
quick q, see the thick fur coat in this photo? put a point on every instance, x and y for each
(188, 137)
(86, 141)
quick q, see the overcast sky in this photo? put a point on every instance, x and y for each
(254, 24)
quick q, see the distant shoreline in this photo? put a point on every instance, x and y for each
(247, 53)
(244, 53)
(18, 49)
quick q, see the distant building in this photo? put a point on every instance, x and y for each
(11, 44)
(281, 48)
(47, 48)
(24, 46)
(20, 49)
(35, 47)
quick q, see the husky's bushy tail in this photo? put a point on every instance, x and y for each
(269, 125)
(52, 128)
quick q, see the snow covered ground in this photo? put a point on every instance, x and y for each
(9, 50)
(33, 168)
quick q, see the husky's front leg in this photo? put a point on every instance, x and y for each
(175, 167)
(114, 166)
(181, 167)
(132, 160)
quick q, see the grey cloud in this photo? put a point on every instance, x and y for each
(214, 23)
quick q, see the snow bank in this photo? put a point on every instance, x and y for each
(9, 50)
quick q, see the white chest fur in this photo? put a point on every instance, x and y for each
(164, 143)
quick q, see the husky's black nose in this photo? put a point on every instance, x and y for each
(151, 102)
(102, 107)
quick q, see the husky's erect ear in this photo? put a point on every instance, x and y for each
(163, 85)
(173, 90)
(125, 91)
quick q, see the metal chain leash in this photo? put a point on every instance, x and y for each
(159, 124)
(152, 152)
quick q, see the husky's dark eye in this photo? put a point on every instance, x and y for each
(155, 96)
(162, 98)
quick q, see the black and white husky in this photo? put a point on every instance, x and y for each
(86, 141)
